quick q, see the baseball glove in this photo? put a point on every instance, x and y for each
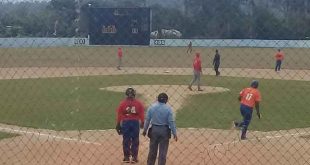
(118, 128)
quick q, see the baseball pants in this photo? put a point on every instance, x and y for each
(216, 68)
(196, 78)
(246, 113)
(159, 140)
(130, 129)
(278, 65)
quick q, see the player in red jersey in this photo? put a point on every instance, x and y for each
(249, 98)
(120, 56)
(197, 72)
(130, 117)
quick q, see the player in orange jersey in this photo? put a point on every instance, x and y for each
(248, 97)
(279, 58)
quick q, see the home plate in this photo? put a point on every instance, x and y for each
(166, 71)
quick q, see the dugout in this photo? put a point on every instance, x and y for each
(119, 26)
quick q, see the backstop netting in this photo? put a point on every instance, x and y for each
(65, 66)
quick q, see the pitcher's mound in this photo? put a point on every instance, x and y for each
(176, 93)
(172, 89)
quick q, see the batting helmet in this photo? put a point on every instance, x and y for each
(254, 84)
(130, 92)
(162, 98)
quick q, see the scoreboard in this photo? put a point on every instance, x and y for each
(119, 26)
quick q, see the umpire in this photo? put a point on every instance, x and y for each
(160, 116)
(216, 62)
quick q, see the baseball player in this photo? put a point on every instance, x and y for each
(130, 117)
(248, 97)
(120, 56)
(197, 72)
(279, 58)
(189, 47)
(160, 116)
(216, 62)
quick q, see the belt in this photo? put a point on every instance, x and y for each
(160, 125)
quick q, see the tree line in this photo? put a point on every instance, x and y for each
(225, 19)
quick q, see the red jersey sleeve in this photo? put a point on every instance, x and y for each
(241, 93)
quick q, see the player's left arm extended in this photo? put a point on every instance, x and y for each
(257, 109)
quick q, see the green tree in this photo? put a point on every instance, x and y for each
(268, 26)
(166, 18)
(63, 14)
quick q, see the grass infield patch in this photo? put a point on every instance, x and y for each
(76, 103)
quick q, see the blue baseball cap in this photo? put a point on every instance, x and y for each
(254, 84)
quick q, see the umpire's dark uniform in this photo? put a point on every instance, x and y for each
(216, 62)
(160, 116)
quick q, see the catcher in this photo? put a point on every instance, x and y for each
(130, 117)
(248, 97)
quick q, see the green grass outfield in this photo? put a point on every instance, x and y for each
(74, 103)
(106, 56)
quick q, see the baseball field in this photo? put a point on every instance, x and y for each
(62, 101)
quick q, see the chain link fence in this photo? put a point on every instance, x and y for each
(62, 78)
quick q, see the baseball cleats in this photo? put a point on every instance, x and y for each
(190, 88)
(126, 160)
(243, 137)
(134, 161)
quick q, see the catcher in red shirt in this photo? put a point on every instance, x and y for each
(130, 118)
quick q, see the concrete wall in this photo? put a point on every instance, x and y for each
(233, 43)
(42, 42)
(61, 42)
